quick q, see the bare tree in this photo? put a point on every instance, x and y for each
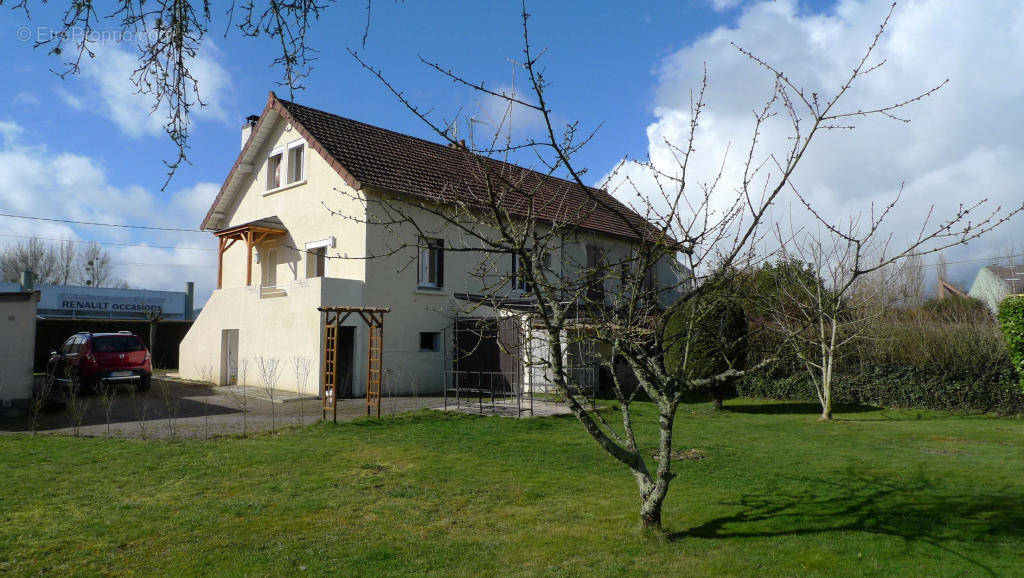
(63, 264)
(30, 255)
(270, 372)
(107, 393)
(169, 36)
(67, 259)
(171, 401)
(39, 398)
(607, 296)
(95, 268)
(301, 366)
(75, 406)
(206, 378)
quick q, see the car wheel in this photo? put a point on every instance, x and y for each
(145, 382)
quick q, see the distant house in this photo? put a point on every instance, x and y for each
(995, 282)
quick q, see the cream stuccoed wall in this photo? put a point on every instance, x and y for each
(305, 209)
(392, 282)
(17, 344)
(280, 328)
(288, 325)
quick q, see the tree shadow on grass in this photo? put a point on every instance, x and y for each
(910, 508)
(779, 408)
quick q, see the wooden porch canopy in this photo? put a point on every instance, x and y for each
(251, 233)
(374, 319)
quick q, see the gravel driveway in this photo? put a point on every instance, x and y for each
(175, 408)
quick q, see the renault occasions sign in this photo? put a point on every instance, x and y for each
(115, 305)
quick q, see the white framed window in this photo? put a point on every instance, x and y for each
(296, 162)
(274, 162)
(519, 277)
(316, 257)
(430, 269)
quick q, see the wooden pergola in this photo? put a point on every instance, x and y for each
(333, 318)
(251, 234)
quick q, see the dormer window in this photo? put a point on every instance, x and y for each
(274, 170)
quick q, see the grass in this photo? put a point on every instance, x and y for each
(876, 492)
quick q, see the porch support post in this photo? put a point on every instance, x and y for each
(220, 261)
(248, 262)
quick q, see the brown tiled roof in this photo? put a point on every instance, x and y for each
(1012, 275)
(384, 160)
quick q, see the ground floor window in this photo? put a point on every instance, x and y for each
(429, 341)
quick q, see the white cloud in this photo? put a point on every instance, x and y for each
(963, 143)
(112, 92)
(25, 98)
(498, 115)
(61, 185)
(724, 5)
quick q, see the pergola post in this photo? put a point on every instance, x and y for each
(373, 317)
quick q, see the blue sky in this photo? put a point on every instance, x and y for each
(100, 156)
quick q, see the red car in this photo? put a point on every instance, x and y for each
(94, 358)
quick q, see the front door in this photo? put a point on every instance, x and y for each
(346, 357)
(270, 266)
(229, 357)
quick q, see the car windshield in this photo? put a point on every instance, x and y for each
(117, 343)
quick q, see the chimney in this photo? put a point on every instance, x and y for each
(190, 296)
(27, 280)
(250, 121)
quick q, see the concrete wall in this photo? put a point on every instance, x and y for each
(280, 328)
(17, 344)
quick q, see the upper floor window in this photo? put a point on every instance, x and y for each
(431, 263)
(274, 170)
(286, 165)
(651, 278)
(296, 166)
(520, 281)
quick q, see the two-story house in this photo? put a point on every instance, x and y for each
(298, 229)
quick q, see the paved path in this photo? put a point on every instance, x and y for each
(177, 408)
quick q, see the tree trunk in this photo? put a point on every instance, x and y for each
(826, 407)
(650, 515)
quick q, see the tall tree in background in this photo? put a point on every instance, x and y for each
(67, 260)
(95, 269)
(63, 264)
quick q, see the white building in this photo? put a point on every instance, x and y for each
(17, 344)
(297, 223)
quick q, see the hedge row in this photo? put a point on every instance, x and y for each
(899, 387)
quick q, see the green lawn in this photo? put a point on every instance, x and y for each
(876, 492)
